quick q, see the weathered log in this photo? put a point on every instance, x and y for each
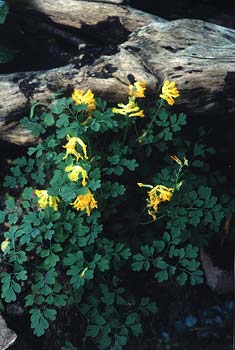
(7, 336)
(81, 14)
(197, 55)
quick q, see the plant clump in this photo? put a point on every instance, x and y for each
(80, 229)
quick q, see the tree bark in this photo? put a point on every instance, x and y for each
(198, 56)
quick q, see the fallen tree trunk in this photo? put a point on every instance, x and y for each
(82, 14)
(197, 55)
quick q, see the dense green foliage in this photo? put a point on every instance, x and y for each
(59, 258)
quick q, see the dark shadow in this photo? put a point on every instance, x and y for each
(40, 44)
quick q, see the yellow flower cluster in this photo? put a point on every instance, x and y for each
(46, 200)
(137, 90)
(71, 148)
(74, 172)
(85, 202)
(81, 98)
(169, 92)
(82, 202)
(131, 109)
(157, 195)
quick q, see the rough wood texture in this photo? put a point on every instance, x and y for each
(197, 55)
(107, 77)
(7, 336)
(79, 13)
(220, 281)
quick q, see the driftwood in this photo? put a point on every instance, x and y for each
(81, 14)
(7, 336)
(197, 55)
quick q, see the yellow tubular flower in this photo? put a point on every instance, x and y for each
(46, 200)
(140, 184)
(157, 195)
(137, 90)
(74, 172)
(169, 92)
(82, 274)
(43, 198)
(137, 114)
(71, 145)
(53, 202)
(131, 109)
(162, 192)
(5, 244)
(83, 145)
(81, 98)
(85, 202)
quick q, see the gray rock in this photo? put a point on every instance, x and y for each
(7, 336)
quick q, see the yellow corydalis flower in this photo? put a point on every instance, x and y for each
(71, 147)
(85, 202)
(74, 172)
(5, 244)
(46, 200)
(157, 195)
(130, 109)
(169, 92)
(81, 98)
(137, 89)
(82, 274)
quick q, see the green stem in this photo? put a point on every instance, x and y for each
(155, 115)
(136, 131)
(149, 222)
(178, 175)
(126, 130)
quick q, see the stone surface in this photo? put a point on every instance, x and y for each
(219, 280)
(7, 336)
